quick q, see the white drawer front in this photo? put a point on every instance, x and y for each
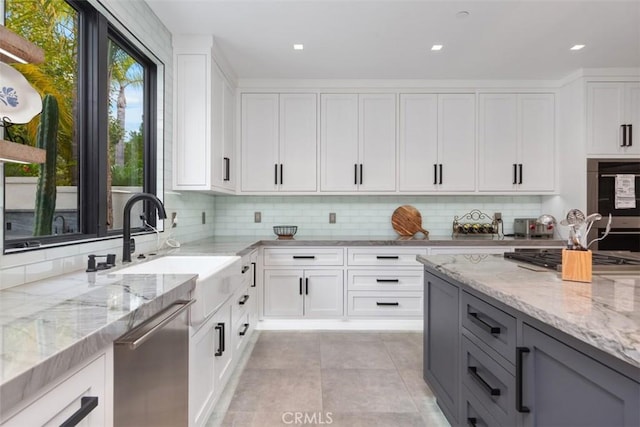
(385, 280)
(303, 257)
(385, 304)
(382, 257)
(240, 303)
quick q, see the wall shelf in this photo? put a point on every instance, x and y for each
(14, 48)
(19, 153)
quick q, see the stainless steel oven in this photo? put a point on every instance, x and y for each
(601, 198)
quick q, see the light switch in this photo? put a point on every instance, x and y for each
(332, 218)
(257, 217)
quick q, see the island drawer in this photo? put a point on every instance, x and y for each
(491, 384)
(385, 304)
(303, 257)
(491, 325)
(473, 413)
(385, 280)
(384, 257)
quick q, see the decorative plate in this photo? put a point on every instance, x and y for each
(19, 101)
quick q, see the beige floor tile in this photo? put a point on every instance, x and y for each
(412, 419)
(285, 354)
(355, 355)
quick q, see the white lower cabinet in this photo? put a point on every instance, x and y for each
(303, 293)
(84, 394)
(201, 366)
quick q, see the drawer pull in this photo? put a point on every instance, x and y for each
(473, 371)
(304, 257)
(245, 269)
(243, 300)
(243, 332)
(253, 285)
(387, 257)
(87, 404)
(493, 330)
(301, 286)
(220, 328)
(388, 303)
(520, 351)
(472, 421)
(387, 280)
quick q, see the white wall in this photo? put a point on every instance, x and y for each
(18, 268)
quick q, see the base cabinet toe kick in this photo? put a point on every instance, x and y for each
(490, 365)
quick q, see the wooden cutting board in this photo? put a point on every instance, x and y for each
(407, 221)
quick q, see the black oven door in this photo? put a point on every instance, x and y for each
(620, 239)
(607, 172)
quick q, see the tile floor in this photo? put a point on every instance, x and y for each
(313, 378)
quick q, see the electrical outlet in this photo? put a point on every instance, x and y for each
(257, 217)
(497, 216)
(204, 218)
(332, 218)
(174, 222)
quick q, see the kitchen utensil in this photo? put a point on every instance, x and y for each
(407, 221)
(606, 232)
(285, 231)
(574, 216)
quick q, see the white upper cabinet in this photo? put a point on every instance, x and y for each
(358, 142)
(279, 148)
(437, 142)
(613, 113)
(516, 142)
(203, 149)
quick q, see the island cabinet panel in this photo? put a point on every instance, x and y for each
(442, 343)
(561, 386)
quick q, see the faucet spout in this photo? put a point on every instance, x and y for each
(126, 219)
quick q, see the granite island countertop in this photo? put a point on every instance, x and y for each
(604, 313)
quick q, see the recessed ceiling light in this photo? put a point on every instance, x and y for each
(298, 46)
(577, 47)
(436, 47)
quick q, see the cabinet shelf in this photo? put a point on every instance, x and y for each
(14, 48)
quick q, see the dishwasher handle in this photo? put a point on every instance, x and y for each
(146, 330)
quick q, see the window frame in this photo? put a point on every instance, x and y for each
(95, 30)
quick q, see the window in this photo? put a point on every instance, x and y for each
(104, 87)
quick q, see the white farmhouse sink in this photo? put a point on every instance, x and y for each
(218, 278)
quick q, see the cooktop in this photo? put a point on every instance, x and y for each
(552, 259)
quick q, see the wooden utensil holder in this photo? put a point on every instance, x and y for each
(576, 265)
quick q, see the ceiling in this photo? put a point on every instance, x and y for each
(392, 39)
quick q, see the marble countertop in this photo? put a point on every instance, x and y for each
(604, 313)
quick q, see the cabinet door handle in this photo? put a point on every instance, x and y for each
(281, 174)
(435, 173)
(300, 286)
(87, 404)
(630, 136)
(275, 173)
(360, 173)
(520, 173)
(387, 280)
(304, 257)
(387, 257)
(220, 328)
(306, 286)
(245, 269)
(515, 174)
(227, 167)
(243, 300)
(440, 170)
(493, 330)
(473, 371)
(624, 135)
(253, 285)
(243, 332)
(520, 351)
(355, 174)
(387, 303)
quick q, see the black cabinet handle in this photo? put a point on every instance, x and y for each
(243, 300)
(435, 173)
(387, 257)
(301, 286)
(304, 257)
(87, 404)
(473, 371)
(520, 351)
(472, 421)
(220, 328)
(440, 170)
(306, 286)
(388, 303)
(281, 174)
(515, 174)
(275, 173)
(361, 174)
(243, 332)
(630, 136)
(227, 168)
(355, 174)
(245, 269)
(387, 280)
(520, 173)
(493, 330)
(624, 135)
(253, 285)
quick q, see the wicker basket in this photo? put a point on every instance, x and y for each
(285, 231)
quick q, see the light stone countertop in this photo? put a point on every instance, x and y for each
(604, 313)
(49, 326)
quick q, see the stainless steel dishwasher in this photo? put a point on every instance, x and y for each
(151, 364)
